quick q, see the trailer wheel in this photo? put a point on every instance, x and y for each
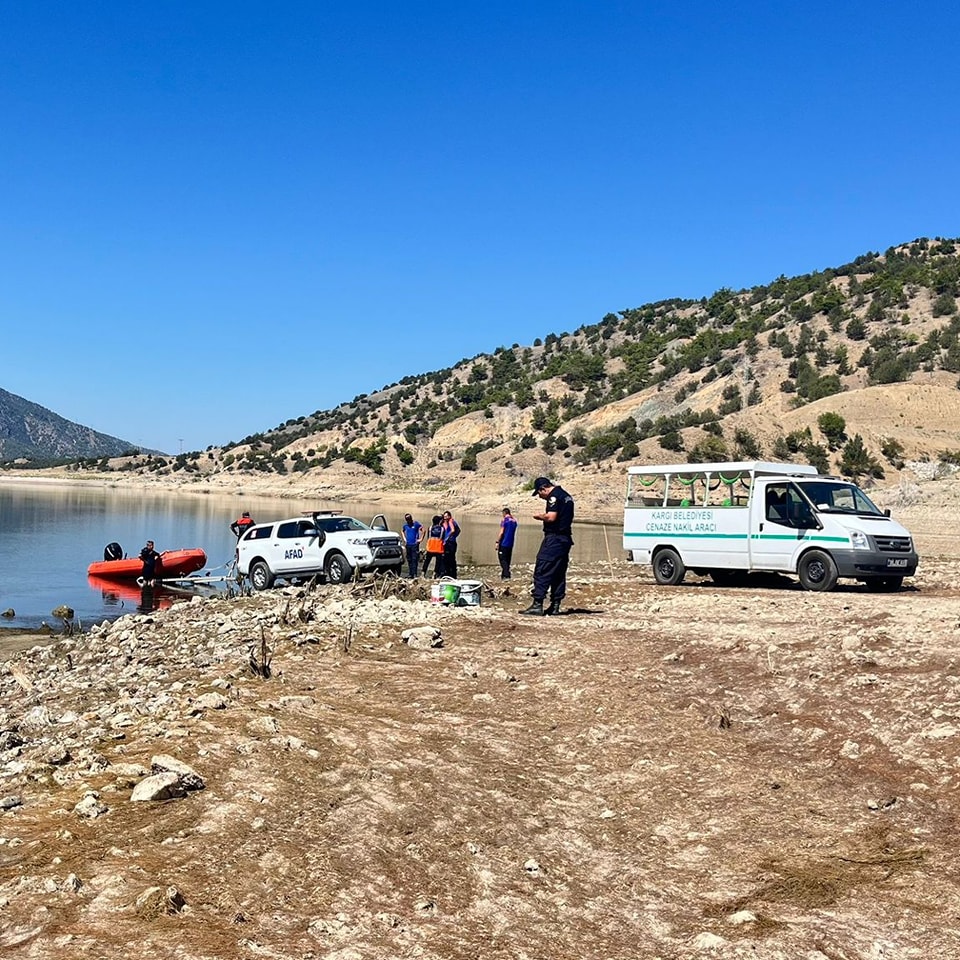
(817, 571)
(884, 584)
(668, 568)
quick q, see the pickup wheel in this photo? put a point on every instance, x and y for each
(668, 568)
(817, 571)
(338, 570)
(260, 576)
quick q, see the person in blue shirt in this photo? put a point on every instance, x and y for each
(508, 533)
(412, 538)
(550, 571)
(451, 530)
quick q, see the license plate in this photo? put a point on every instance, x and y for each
(897, 563)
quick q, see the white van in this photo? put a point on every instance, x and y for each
(730, 519)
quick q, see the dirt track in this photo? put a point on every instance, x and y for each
(660, 772)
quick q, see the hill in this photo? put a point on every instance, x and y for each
(33, 433)
(852, 368)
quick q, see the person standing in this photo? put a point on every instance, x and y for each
(412, 538)
(508, 533)
(550, 571)
(434, 547)
(451, 530)
(152, 565)
(241, 525)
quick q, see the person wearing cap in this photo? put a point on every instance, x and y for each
(550, 570)
(412, 538)
(508, 533)
(242, 525)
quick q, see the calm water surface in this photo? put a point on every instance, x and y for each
(50, 534)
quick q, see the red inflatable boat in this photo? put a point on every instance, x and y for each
(173, 565)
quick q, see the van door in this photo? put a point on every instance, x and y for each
(780, 517)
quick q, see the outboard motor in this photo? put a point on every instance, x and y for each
(113, 551)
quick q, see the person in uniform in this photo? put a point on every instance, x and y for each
(550, 570)
(242, 525)
(434, 547)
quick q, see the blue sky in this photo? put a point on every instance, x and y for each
(218, 216)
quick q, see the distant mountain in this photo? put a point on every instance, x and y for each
(32, 432)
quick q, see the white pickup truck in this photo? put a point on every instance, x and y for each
(321, 542)
(729, 519)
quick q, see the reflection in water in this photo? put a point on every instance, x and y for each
(129, 594)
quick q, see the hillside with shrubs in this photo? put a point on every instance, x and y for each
(854, 369)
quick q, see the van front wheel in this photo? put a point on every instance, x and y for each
(817, 571)
(668, 568)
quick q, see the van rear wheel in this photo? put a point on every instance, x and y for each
(817, 571)
(668, 568)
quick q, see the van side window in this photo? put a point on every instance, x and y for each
(776, 503)
(289, 529)
(259, 533)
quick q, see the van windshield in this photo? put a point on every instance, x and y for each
(834, 496)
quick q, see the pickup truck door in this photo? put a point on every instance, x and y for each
(779, 520)
(298, 547)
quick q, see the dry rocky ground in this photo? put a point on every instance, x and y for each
(660, 772)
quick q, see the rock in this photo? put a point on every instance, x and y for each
(189, 778)
(63, 612)
(8, 803)
(161, 786)
(91, 806)
(210, 701)
(422, 638)
(159, 901)
(708, 941)
(741, 917)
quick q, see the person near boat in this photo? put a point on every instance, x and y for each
(242, 524)
(151, 564)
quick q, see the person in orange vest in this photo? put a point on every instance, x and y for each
(239, 527)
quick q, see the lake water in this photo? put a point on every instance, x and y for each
(49, 534)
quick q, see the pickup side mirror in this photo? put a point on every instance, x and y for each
(886, 512)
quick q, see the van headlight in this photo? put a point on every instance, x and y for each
(859, 540)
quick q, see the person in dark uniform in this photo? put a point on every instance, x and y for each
(241, 526)
(151, 564)
(550, 571)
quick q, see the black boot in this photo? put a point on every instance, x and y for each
(553, 609)
(535, 609)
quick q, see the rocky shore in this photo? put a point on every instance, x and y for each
(659, 772)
